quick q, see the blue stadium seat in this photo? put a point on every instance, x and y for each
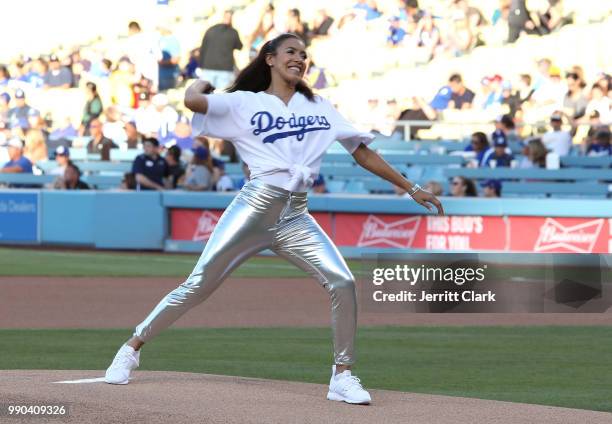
(124, 155)
(335, 186)
(356, 187)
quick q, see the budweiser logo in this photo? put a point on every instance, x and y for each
(206, 225)
(579, 238)
(400, 233)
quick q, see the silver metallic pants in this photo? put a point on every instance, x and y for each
(264, 216)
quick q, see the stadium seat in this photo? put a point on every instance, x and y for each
(356, 187)
(335, 186)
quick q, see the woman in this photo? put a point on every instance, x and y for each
(93, 107)
(199, 175)
(534, 154)
(282, 130)
(479, 144)
(463, 187)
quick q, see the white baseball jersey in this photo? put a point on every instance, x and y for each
(283, 145)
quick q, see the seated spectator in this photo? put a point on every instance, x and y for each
(99, 143)
(318, 186)
(128, 182)
(600, 146)
(5, 100)
(57, 76)
(498, 155)
(181, 136)
(510, 100)
(463, 187)
(72, 179)
(428, 37)
(18, 115)
(461, 97)
(575, 101)
(296, 26)
(199, 175)
(65, 130)
(149, 168)
(35, 146)
(321, 25)
(491, 188)
(600, 102)
(434, 188)
(133, 137)
(62, 158)
(93, 107)
(418, 110)
(223, 182)
(396, 32)
(556, 140)
(17, 162)
(368, 8)
(534, 154)
(479, 144)
(176, 170)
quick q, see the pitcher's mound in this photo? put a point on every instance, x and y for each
(174, 397)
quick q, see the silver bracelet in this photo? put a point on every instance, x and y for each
(415, 188)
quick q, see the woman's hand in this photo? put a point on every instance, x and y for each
(426, 199)
(201, 87)
(195, 99)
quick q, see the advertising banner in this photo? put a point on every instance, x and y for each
(19, 216)
(451, 233)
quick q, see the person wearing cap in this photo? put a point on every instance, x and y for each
(498, 155)
(17, 163)
(600, 144)
(150, 168)
(491, 188)
(199, 175)
(19, 113)
(57, 76)
(62, 158)
(181, 136)
(318, 186)
(99, 143)
(556, 140)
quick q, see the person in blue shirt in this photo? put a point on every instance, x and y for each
(149, 167)
(17, 163)
(499, 152)
(479, 145)
(600, 146)
(396, 32)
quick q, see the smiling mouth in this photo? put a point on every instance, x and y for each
(296, 69)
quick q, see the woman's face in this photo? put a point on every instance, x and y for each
(458, 187)
(290, 61)
(477, 145)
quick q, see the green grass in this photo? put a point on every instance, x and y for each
(29, 262)
(561, 366)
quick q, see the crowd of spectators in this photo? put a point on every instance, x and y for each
(127, 101)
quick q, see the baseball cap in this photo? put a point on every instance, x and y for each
(6, 97)
(15, 142)
(494, 184)
(200, 152)
(143, 95)
(319, 181)
(62, 151)
(19, 94)
(499, 139)
(53, 58)
(33, 113)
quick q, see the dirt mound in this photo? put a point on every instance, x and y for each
(164, 397)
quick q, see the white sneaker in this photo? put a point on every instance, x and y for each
(345, 387)
(126, 360)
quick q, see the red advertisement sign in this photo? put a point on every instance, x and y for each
(198, 225)
(480, 233)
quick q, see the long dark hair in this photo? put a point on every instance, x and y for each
(257, 75)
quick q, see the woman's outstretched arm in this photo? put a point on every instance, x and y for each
(195, 96)
(373, 162)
